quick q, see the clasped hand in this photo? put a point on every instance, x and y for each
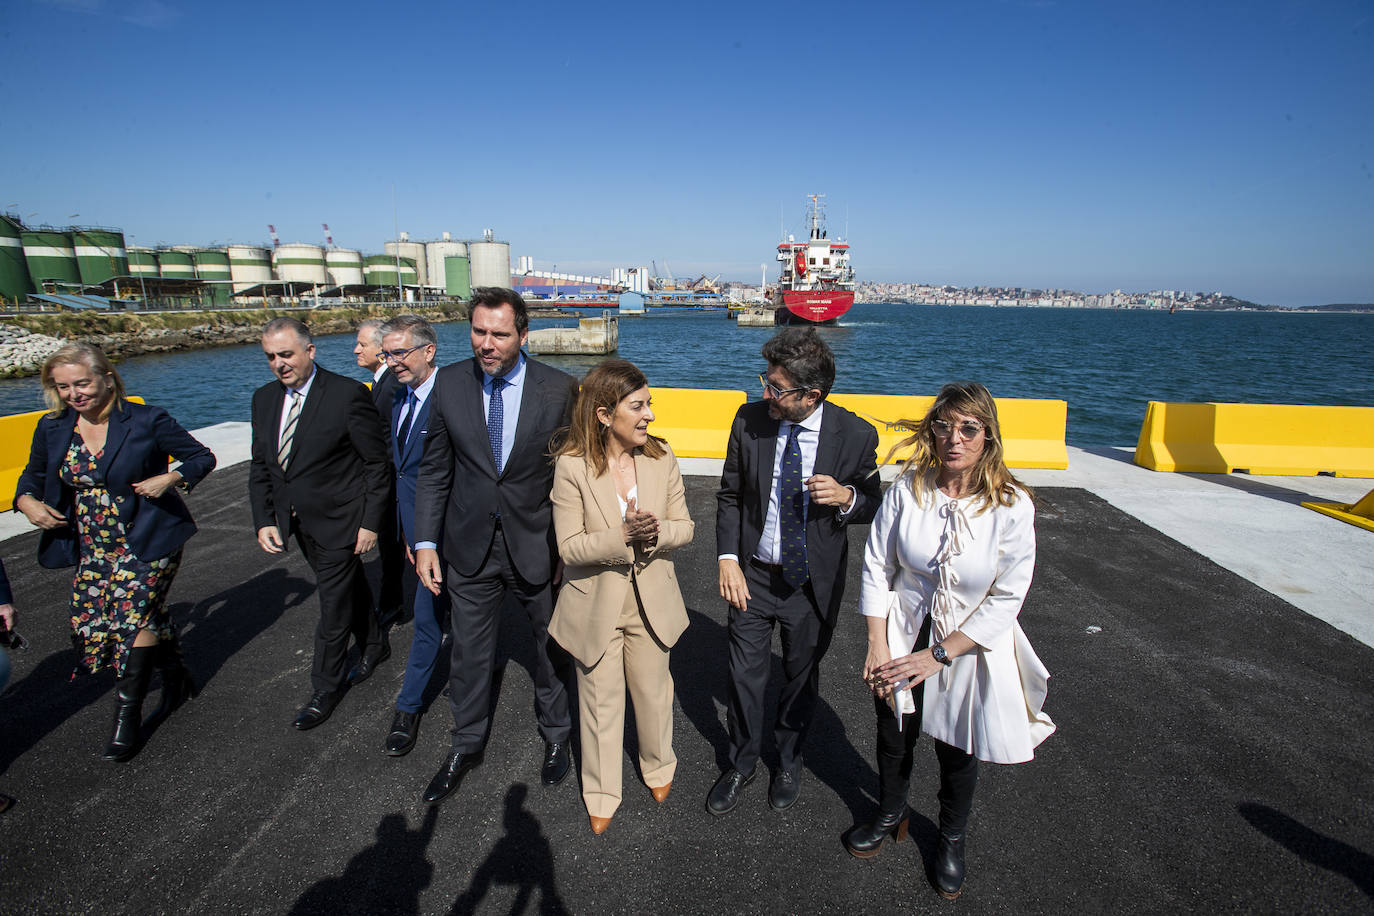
(882, 676)
(40, 513)
(639, 526)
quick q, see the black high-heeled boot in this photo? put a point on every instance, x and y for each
(866, 840)
(949, 865)
(130, 690)
(178, 685)
(958, 778)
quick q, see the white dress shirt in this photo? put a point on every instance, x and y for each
(421, 393)
(304, 392)
(510, 405)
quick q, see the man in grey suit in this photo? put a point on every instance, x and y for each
(483, 494)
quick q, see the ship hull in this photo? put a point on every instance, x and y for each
(814, 306)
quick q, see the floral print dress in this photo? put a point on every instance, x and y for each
(114, 593)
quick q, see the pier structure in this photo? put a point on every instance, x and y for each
(1209, 642)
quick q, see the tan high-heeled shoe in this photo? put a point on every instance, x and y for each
(599, 824)
(660, 793)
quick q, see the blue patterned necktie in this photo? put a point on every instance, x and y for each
(792, 515)
(496, 417)
(412, 404)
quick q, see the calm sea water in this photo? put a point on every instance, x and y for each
(1106, 364)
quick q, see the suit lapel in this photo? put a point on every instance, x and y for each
(417, 423)
(827, 447)
(530, 401)
(647, 480)
(115, 434)
(767, 445)
(309, 410)
(603, 492)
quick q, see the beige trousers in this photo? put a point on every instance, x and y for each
(634, 658)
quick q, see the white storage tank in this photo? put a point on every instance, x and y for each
(490, 263)
(345, 266)
(300, 263)
(249, 265)
(415, 251)
(435, 255)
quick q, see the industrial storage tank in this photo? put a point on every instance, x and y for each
(249, 265)
(345, 266)
(415, 251)
(212, 266)
(100, 254)
(436, 253)
(300, 263)
(49, 256)
(490, 263)
(14, 273)
(380, 270)
(458, 277)
(142, 262)
(177, 263)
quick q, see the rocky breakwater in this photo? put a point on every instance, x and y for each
(22, 351)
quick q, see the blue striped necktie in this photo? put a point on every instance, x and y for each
(792, 515)
(496, 417)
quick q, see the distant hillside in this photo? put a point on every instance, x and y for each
(1341, 307)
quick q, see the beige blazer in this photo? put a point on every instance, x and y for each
(598, 563)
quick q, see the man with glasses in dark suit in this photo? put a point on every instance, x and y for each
(798, 471)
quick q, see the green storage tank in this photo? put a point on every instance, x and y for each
(212, 266)
(142, 262)
(49, 255)
(14, 273)
(100, 254)
(458, 276)
(380, 270)
(177, 264)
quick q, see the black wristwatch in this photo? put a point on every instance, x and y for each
(940, 655)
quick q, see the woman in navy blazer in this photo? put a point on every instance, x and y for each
(97, 483)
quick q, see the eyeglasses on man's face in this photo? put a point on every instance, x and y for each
(969, 429)
(776, 392)
(396, 356)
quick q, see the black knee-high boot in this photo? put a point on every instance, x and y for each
(130, 690)
(894, 755)
(958, 778)
(178, 685)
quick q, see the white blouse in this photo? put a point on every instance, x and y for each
(970, 570)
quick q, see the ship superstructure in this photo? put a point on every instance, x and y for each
(816, 284)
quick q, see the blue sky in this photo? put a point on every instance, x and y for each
(1090, 146)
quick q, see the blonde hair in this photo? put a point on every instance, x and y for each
(609, 383)
(992, 481)
(80, 354)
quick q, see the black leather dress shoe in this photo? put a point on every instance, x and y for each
(450, 774)
(783, 790)
(725, 793)
(321, 704)
(401, 738)
(557, 762)
(368, 663)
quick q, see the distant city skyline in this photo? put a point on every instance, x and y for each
(1021, 143)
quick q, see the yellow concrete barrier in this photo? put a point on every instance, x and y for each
(1033, 431)
(16, 438)
(1360, 514)
(695, 421)
(1281, 439)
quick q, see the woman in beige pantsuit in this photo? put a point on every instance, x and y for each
(618, 509)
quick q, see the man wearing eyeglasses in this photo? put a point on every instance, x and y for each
(798, 471)
(409, 346)
(390, 601)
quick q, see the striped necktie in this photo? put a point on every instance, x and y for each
(792, 515)
(288, 432)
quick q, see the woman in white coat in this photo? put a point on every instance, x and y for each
(948, 563)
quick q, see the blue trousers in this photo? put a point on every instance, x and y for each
(431, 615)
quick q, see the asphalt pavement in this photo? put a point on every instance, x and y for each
(1215, 750)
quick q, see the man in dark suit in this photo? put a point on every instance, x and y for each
(798, 471)
(368, 349)
(409, 347)
(319, 472)
(484, 494)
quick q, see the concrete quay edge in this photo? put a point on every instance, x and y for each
(1253, 526)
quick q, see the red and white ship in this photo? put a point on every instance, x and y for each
(816, 285)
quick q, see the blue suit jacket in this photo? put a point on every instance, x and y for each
(137, 444)
(405, 457)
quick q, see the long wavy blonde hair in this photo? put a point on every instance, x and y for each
(993, 482)
(609, 383)
(80, 354)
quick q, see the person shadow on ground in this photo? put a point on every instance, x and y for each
(1312, 846)
(827, 752)
(212, 630)
(522, 859)
(386, 877)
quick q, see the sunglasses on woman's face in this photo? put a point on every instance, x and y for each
(943, 429)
